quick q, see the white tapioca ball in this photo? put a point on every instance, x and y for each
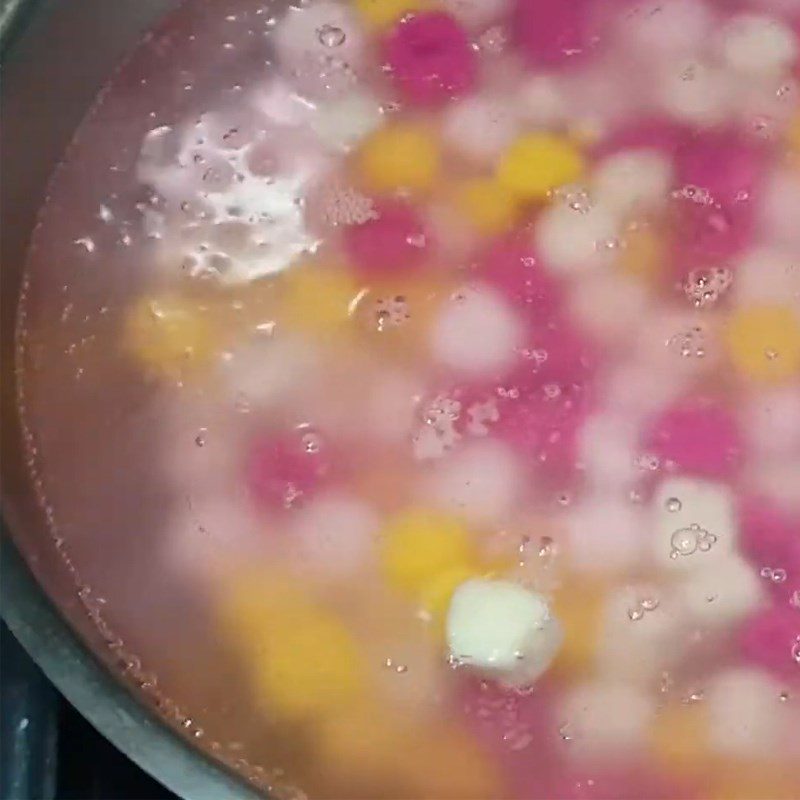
(341, 124)
(605, 535)
(476, 13)
(502, 630)
(605, 719)
(542, 100)
(780, 210)
(476, 332)
(757, 43)
(766, 275)
(667, 27)
(607, 447)
(334, 534)
(608, 306)
(633, 179)
(576, 240)
(745, 713)
(695, 92)
(480, 482)
(771, 420)
(721, 593)
(693, 524)
(776, 479)
(266, 374)
(641, 634)
(481, 127)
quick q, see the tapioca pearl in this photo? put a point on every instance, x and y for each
(552, 33)
(503, 631)
(693, 524)
(383, 13)
(619, 781)
(607, 449)
(402, 155)
(538, 163)
(480, 128)
(694, 92)
(633, 179)
(542, 100)
(268, 374)
(771, 639)
(477, 13)
(765, 275)
(605, 720)
(723, 165)
(642, 253)
(396, 240)
(455, 241)
(334, 534)
(793, 135)
(430, 59)
(513, 266)
(770, 420)
(696, 437)
(321, 47)
(763, 342)
(685, 344)
(476, 333)
(608, 306)
(316, 299)
(641, 634)
(418, 545)
(745, 713)
(479, 483)
(757, 43)
(342, 124)
(633, 389)
(578, 605)
(771, 540)
(679, 738)
(285, 470)
(605, 536)
(776, 479)
(722, 593)
(779, 209)
(672, 28)
(485, 205)
(650, 132)
(741, 779)
(574, 241)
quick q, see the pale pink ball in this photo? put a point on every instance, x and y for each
(283, 470)
(771, 540)
(771, 639)
(552, 32)
(430, 58)
(394, 240)
(699, 437)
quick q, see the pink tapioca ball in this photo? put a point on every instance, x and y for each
(723, 165)
(431, 59)
(394, 240)
(552, 32)
(699, 437)
(653, 134)
(518, 730)
(513, 267)
(771, 639)
(771, 540)
(282, 470)
(608, 783)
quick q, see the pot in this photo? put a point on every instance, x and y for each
(56, 57)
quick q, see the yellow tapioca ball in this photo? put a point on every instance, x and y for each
(382, 13)
(486, 205)
(538, 163)
(763, 342)
(641, 254)
(402, 155)
(435, 595)
(579, 610)
(170, 333)
(679, 737)
(419, 545)
(793, 137)
(318, 299)
(755, 780)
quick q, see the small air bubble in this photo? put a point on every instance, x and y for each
(331, 36)
(673, 505)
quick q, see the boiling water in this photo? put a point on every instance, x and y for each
(345, 317)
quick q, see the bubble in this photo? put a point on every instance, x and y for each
(200, 439)
(673, 505)
(689, 540)
(331, 36)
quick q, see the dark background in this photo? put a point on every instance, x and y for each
(48, 751)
